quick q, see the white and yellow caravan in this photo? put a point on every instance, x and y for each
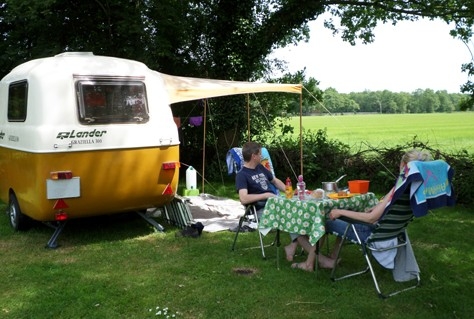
(84, 135)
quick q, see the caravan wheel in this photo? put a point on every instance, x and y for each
(17, 220)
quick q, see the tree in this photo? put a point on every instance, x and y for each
(223, 39)
(445, 102)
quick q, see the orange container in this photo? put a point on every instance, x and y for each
(359, 186)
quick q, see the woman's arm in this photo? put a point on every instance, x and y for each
(370, 216)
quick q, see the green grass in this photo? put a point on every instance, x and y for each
(446, 131)
(119, 267)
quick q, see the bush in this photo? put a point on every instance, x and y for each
(325, 160)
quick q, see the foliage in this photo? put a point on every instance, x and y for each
(326, 160)
(323, 158)
(223, 39)
(419, 101)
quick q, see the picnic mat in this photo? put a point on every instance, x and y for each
(215, 213)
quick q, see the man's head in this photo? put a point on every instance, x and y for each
(251, 149)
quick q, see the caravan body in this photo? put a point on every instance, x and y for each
(85, 135)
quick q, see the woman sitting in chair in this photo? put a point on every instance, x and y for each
(371, 216)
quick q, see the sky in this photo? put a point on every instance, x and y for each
(403, 58)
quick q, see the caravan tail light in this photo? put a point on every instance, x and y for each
(168, 190)
(170, 165)
(61, 175)
(61, 216)
(59, 206)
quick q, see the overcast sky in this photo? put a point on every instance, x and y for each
(403, 58)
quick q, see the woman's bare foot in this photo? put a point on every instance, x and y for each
(303, 266)
(290, 250)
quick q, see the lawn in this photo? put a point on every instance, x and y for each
(446, 131)
(119, 267)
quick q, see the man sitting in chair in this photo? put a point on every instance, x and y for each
(253, 180)
(253, 184)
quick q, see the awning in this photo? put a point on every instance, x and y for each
(181, 89)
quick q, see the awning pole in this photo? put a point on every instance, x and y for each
(248, 117)
(301, 132)
(204, 145)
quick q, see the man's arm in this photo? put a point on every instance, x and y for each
(278, 183)
(246, 198)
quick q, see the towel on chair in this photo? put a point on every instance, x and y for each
(430, 185)
(406, 268)
(235, 160)
(267, 161)
(401, 261)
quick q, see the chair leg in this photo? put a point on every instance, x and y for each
(262, 247)
(277, 243)
(366, 254)
(241, 221)
(250, 211)
(260, 237)
(341, 244)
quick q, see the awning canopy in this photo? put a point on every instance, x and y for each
(181, 89)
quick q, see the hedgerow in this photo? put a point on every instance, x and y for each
(326, 159)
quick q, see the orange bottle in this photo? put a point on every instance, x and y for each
(288, 188)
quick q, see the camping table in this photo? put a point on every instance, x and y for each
(307, 217)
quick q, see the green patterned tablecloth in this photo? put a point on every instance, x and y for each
(307, 217)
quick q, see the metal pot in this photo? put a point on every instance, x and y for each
(331, 187)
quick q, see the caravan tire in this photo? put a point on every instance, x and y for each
(18, 221)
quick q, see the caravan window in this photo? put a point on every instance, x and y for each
(17, 101)
(111, 100)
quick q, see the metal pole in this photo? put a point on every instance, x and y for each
(301, 132)
(248, 117)
(204, 146)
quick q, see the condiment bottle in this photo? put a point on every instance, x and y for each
(288, 188)
(301, 187)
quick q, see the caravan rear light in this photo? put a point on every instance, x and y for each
(169, 165)
(168, 190)
(61, 216)
(61, 175)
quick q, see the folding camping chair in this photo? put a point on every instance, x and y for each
(389, 236)
(235, 162)
(392, 226)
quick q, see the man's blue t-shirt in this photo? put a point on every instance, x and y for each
(256, 181)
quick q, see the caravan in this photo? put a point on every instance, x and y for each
(84, 135)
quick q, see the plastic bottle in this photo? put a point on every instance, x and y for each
(190, 178)
(288, 188)
(301, 187)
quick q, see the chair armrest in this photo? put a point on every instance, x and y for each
(354, 221)
(259, 204)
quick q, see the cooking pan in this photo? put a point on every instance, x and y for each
(331, 187)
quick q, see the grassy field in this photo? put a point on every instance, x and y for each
(446, 131)
(118, 267)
